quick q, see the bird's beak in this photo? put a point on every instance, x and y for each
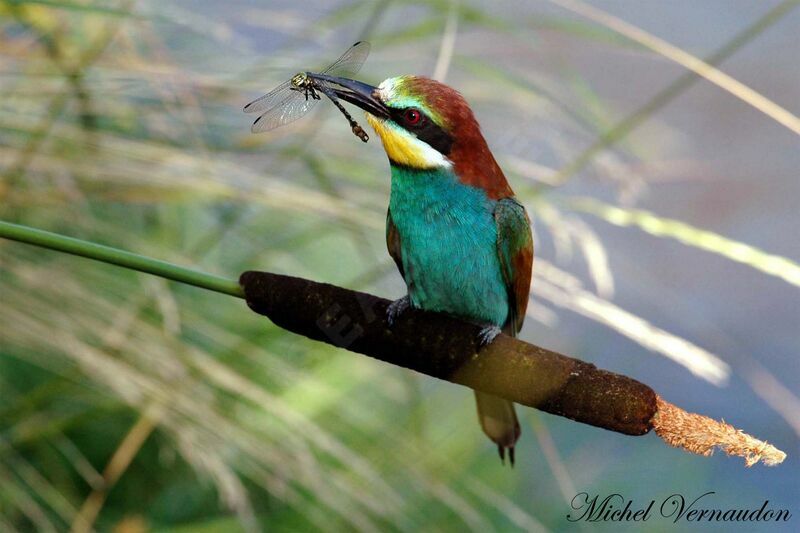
(357, 93)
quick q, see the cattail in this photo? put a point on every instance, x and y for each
(446, 348)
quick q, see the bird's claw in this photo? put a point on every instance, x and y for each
(488, 334)
(396, 308)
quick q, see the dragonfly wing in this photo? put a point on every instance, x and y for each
(350, 63)
(294, 106)
(283, 105)
(271, 99)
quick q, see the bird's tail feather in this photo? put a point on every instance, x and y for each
(499, 421)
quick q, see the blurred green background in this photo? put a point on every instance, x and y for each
(665, 221)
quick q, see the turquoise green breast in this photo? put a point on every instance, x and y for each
(448, 240)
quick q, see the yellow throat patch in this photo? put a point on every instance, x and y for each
(405, 149)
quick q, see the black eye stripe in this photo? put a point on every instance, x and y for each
(426, 130)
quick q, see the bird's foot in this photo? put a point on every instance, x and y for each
(396, 308)
(502, 451)
(488, 334)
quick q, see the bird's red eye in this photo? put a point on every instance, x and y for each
(412, 116)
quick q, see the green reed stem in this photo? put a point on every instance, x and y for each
(114, 256)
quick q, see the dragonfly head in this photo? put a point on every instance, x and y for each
(299, 80)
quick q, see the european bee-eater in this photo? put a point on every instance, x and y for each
(460, 239)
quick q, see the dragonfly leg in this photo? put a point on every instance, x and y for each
(358, 131)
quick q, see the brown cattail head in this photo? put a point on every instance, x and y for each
(700, 434)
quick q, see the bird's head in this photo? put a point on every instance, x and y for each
(426, 125)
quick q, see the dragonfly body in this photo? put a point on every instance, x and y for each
(296, 96)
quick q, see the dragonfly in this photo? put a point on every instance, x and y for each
(296, 96)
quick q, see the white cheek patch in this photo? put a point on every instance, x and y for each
(404, 148)
(432, 158)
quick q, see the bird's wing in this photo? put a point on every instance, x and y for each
(393, 243)
(515, 251)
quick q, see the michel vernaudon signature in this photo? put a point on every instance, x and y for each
(616, 508)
